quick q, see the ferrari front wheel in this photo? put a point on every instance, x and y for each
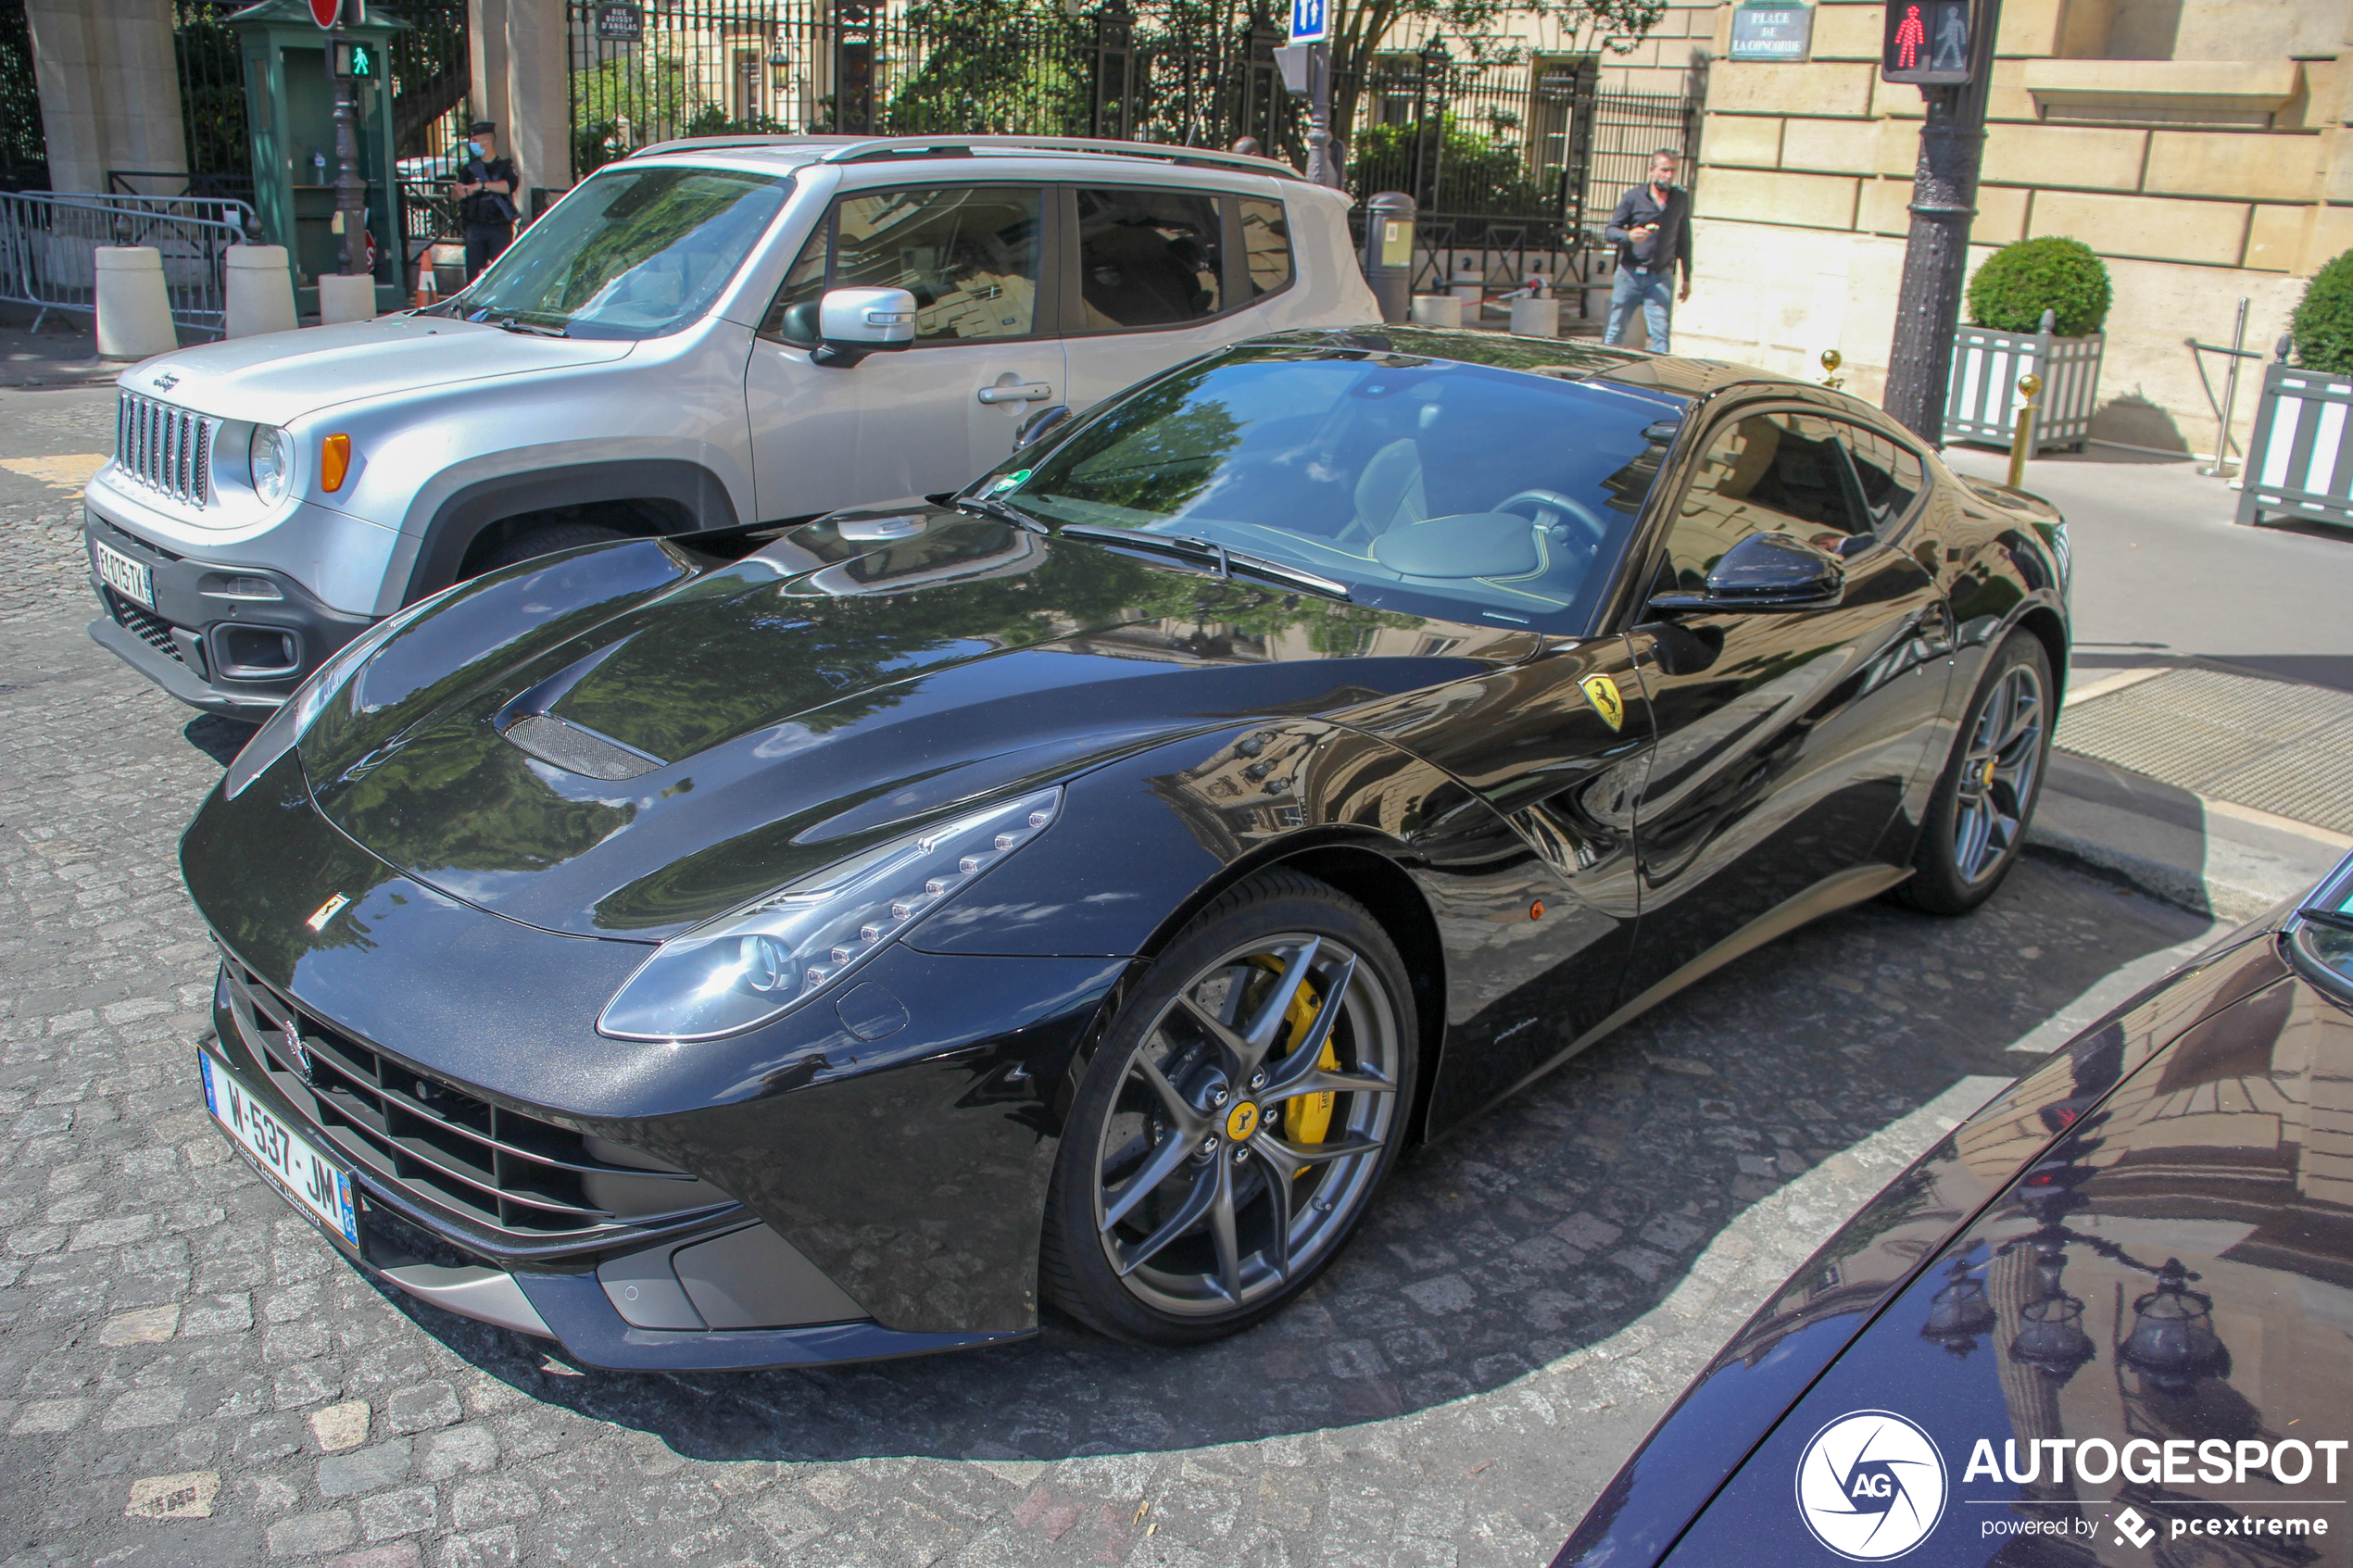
(1238, 1120)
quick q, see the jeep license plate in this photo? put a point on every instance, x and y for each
(132, 579)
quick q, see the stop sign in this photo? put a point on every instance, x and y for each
(324, 12)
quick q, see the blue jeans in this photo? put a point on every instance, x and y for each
(1655, 292)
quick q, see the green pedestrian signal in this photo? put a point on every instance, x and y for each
(355, 61)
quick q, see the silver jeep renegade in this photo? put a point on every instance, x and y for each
(659, 354)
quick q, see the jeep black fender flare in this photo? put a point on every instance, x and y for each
(684, 497)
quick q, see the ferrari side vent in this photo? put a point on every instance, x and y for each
(577, 750)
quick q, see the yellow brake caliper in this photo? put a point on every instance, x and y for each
(1307, 1119)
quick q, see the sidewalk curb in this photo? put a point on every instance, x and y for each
(2209, 856)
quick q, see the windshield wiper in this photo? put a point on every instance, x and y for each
(1001, 511)
(1227, 562)
(511, 325)
(2337, 919)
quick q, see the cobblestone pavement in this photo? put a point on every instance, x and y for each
(188, 1374)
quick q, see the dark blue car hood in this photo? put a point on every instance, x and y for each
(2142, 1253)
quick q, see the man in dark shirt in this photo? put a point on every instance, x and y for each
(1652, 229)
(485, 192)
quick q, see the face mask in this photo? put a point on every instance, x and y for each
(475, 148)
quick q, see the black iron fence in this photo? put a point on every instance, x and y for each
(24, 150)
(646, 72)
(1525, 156)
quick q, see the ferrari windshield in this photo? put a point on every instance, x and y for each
(1423, 485)
(634, 253)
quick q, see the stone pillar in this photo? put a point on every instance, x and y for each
(521, 66)
(110, 89)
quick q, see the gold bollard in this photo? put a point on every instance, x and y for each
(1830, 362)
(2022, 437)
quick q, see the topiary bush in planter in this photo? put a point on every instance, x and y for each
(2023, 279)
(2323, 322)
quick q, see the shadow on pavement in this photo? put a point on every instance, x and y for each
(2334, 669)
(1547, 1225)
(219, 738)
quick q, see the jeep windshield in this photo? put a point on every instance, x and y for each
(634, 253)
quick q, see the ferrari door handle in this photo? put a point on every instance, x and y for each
(1025, 392)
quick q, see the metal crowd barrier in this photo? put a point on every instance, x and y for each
(47, 246)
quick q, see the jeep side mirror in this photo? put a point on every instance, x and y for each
(1765, 571)
(852, 323)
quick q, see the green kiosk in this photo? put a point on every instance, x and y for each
(290, 112)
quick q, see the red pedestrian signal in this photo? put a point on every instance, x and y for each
(1929, 42)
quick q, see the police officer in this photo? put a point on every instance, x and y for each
(486, 193)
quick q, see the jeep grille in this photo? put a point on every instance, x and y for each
(167, 449)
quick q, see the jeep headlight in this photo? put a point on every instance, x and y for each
(270, 459)
(746, 968)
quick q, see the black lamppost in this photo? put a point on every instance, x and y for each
(1920, 361)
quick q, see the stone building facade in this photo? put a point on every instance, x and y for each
(2200, 146)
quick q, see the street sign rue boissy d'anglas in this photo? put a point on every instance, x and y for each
(1927, 42)
(1308, 22)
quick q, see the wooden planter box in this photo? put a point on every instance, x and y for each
(1982, 403)
(2298, 462)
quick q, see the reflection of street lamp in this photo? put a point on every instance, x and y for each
(2050, 1329)
(2173, 1343)
(1960, 1312)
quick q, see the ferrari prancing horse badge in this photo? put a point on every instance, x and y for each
(1602, 692)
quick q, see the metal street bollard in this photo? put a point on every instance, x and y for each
(1388, 253)
(2022, 438)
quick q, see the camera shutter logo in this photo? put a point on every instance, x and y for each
(1870, 1486)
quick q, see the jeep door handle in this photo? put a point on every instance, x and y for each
(1027, 392)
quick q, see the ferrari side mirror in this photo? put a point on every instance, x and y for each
(1765, 571)
(852, 323)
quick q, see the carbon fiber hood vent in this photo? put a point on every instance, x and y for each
(577, 750)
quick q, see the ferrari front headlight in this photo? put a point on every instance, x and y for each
(752, 965)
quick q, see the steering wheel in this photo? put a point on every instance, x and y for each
(1564, 509)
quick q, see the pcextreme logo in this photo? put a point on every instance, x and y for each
(1870, 1486)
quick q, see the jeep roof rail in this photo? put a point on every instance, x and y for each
(870, 149)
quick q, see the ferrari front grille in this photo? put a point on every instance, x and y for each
(452, 1152)
(166, 448)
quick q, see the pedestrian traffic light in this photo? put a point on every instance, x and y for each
(1929, 41)
(356, 60)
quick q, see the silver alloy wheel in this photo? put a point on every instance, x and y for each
(1998, 773)
(1214, 1185)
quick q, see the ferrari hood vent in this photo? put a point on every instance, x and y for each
(578, 750)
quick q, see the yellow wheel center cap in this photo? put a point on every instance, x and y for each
(1241, 1121)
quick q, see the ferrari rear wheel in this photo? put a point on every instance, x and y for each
(1977, 819)
(1237, 1122)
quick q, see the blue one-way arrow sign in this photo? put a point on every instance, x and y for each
(1307, 21)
